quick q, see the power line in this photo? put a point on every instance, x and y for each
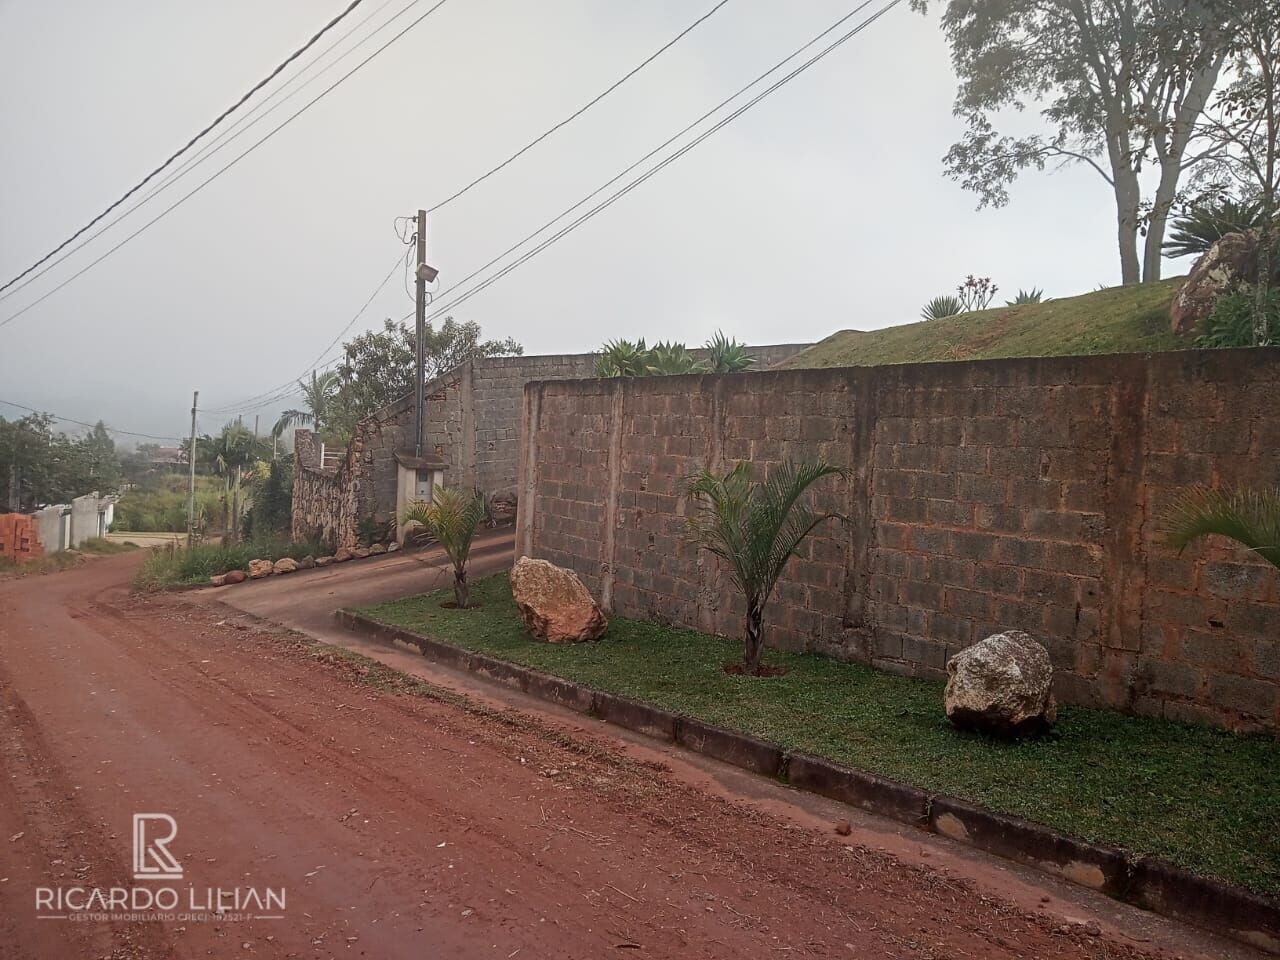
(585, 107)
(839, 41)
(190, 143)
(267, 396)
(187, 196)
(230, 134)
(83, 423)
(668, 160)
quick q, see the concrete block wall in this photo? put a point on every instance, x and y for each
(981, 496)
(473, 426)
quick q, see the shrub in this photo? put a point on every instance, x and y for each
(940, 307)
(976, 293)
(175, 565)
(1249, 517)
(1230, 324)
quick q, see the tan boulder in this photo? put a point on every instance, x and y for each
(217, 581)
(553, 604)
(393, 546)
(1001, 685)
(360, 552)
(286, 565)
(377, 549)
(1231, 263)
(324, 561)
(260, 568)
(236, 576)
(343, 554)
(307, 563)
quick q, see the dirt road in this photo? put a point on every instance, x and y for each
(401, 823)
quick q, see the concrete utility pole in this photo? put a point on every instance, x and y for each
(191, 491)
(420, 337)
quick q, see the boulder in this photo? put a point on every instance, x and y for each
(1001, 685)
(307, 563)
(553, 604)
(260, 568)
(218, 580)
(1231, 262)
(377, 549)
(360, 552)
(343, 554)
(323, 561)
(393, 546)
(286, 565)
(236, 576)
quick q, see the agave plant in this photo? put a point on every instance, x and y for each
(940, 307)
(1249, 517)
(726, 355)
(667, 359)
(755, 528)
(622, 358)
(451, 518)
(1202, 226)
(1034, 295)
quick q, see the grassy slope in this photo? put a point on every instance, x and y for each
(1202, 798)
(1133, 319)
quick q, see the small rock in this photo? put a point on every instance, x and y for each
(393, 546)
(360, 552)
(260, 568)
(324, 561)
(843, 828)
(307, 563)
(377, 549)
(343, 554)
(236, 576)
(1093, 928)
(286, 565)
(218, 580)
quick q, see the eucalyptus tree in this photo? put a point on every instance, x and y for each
(1122, 85)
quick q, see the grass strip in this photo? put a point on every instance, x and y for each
(1204, 799)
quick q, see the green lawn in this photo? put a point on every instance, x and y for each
(1132, 319)
(1204, 799)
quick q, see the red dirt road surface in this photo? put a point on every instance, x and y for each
(401, 820)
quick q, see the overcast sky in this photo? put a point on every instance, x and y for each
(823, 208)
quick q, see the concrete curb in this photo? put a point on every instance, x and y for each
(1146, 882)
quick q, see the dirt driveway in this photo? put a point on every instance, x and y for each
(401, 821)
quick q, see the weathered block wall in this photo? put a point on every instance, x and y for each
(473, 426)
(324, 501)
(982, 496)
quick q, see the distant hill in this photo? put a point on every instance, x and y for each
(1132, 319)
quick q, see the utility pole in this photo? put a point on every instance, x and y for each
(191, 491)
(420, 337)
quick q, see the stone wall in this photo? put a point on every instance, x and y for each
(981, 496)
(473, 428)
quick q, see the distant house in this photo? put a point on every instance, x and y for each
(168, 458)
(65, 526)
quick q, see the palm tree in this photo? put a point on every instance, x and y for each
(318, 397)
(755, 528)
(725, 355)
(1249, 517)
(1202, 226)
(451, 518)
(232, 450)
